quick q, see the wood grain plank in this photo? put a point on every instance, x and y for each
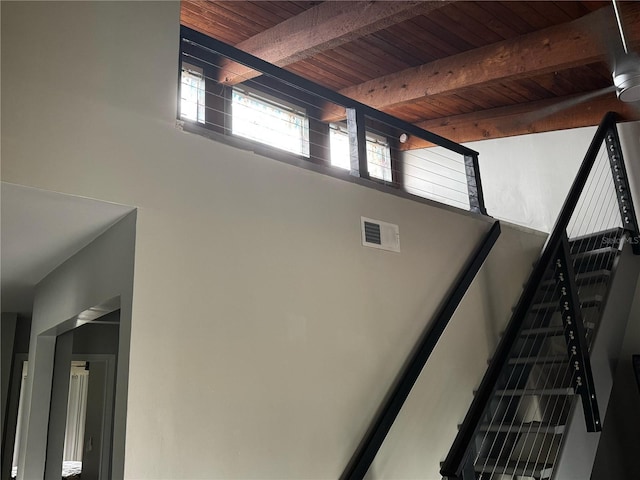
(524, 119)
(545, 51)
(327, 26)
(495, 23)
(470, 26)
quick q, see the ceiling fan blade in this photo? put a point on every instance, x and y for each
(565, 104)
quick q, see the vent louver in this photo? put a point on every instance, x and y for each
(372, 233)
(381, 235)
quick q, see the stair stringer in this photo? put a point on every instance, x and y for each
(579, 446)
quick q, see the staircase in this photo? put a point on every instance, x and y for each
(522, 430)
(524, 422)
(524, 408)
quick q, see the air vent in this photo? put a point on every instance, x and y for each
(382, 235)
(372, 233)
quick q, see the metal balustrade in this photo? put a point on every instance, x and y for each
(242, 100)
(516, 423)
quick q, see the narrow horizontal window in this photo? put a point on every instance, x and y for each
(192, 93)
(269, 121)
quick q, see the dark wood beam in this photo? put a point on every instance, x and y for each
(323, 27)
(522, 119)
(586, 40)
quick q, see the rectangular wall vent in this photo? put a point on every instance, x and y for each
(372, 233)
(382, 235)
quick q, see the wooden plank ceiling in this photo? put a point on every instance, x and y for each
(463, 69)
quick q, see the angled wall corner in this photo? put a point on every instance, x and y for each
(100, 272)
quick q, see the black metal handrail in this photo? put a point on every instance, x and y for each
(194, 41)
(362, 459)
(455, 461)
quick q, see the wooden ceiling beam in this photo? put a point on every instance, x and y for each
(323, 27)
(522, 119)
(582, 41)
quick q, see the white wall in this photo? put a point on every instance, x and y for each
(249, 273)
(527, 178)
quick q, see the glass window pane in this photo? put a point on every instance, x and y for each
(192, 94)
(379, 160)
(269, 123)
(378, 153)
(339, 142)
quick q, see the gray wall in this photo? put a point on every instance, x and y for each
(264, 336)
(96, 338)
(15, 346)
(617, 454)
(99, 272)
(7, 337)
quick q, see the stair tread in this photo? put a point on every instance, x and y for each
(603, 272)
(594, 252)
(537, 470)
(593, 268)
(615, 231)
(516, 392)
(584, 277)
(538, 360)
(587, 302)
(551, 331)
(537, 427)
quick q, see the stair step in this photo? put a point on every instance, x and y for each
(552, 331)
(587, 302)
(522, 392)
(584, 278)
(596, 251)
(537, 360)
(526, 469)
(606, 238)
(598, 255)
(523, 428)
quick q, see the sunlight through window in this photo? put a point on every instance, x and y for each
(378, 153)
(192, 93)
(266, 121)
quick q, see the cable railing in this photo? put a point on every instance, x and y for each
(236, 98)
(515, 425)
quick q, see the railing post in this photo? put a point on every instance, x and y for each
(468, 471)
(575, 337)
(621, 183)
(474, 185)
(357, 143)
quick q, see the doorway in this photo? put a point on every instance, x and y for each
(83, 387)
(82, 400)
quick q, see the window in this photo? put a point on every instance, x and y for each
(258, 117)
(378, 152)
(192, 93)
